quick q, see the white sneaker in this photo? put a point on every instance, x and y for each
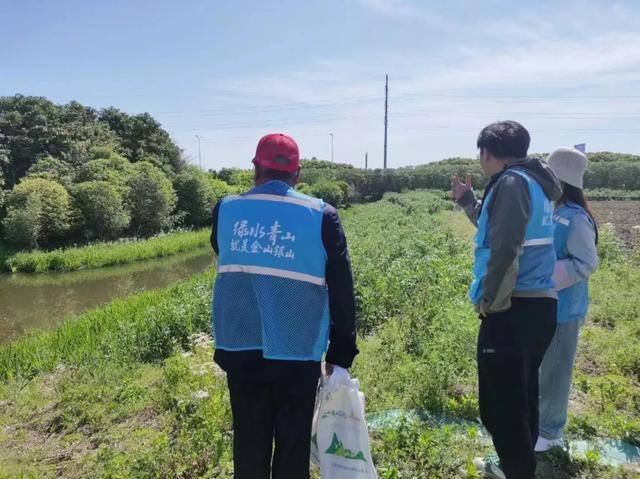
(544, 444)
(489, 467)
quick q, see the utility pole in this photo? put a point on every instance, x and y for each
(199, 152)
(331, 147)
(366, 160)
(386, 109)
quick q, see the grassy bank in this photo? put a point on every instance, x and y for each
(143, 328)
(106, 254)
(130, 390)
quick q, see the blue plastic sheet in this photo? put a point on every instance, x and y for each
(610, 452)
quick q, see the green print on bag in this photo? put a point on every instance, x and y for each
(337, 449)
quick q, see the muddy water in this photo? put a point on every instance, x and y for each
(41, 301)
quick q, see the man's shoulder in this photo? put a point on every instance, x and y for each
(514, 176)
(293, 193)
(329, 210)
(511, 182)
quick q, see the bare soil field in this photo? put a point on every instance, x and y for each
(625, 216)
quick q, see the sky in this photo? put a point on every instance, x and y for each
(231, 72)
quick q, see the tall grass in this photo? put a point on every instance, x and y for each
(106, 254)
(143, 328)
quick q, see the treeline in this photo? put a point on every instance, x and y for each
(73, 174)
(606, 170)
(342, 184)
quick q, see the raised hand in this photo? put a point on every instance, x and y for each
(458, 189)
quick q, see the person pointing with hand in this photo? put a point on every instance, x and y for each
(512, 290)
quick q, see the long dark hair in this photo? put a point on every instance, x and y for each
(571, 194)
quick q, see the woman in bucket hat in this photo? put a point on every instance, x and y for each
(575, 240)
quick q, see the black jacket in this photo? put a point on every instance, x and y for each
(342, 333)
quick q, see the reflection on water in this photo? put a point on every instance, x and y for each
(41, 301)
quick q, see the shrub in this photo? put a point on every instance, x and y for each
(243, 179)
(221, 189)
(115, 170)
(49, 207)
(102, 212)
(197, 193)
(150, 199)
(20, 228)
(305, 189)
(329, 191)
(348, 192)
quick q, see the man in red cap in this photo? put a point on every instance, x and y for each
(284, 290)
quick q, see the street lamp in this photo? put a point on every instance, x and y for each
(331, 147)
(199, 152)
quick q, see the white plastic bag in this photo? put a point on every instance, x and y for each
(339, 438)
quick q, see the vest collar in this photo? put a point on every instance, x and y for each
(274, 187)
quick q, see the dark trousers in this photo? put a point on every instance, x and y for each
(511, 346)
(264, 411)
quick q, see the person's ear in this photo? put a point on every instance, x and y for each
(296, 178)
(489, 158)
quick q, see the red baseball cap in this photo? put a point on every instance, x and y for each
(277, 151)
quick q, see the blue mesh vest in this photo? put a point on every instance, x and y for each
(270, 292)
(573, 302)
(537, 261)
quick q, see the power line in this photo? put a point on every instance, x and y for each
(511, 97)
(515, 99)
(274, 107)
(558, 116)
(315, 133)
(284, 121)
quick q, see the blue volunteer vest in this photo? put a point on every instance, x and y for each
(270, 292)
(537, 261)
(573, 302)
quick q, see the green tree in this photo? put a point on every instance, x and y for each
(34, 127)
(607, 156)
(3, 194)
(112, 168)
(49, 206)
(142, 138)
(101, 210)
(150, 200)
(242, 179)
(197, 193)
(21, 225)
(53, 169)
(102, 153)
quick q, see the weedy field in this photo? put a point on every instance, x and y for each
(130, 390)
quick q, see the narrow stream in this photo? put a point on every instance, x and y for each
(42, 301)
